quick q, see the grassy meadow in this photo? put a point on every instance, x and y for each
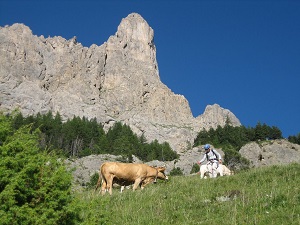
(258, 196)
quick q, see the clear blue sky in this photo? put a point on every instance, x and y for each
(242, 55)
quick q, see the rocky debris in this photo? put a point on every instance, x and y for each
(273, 152)
(229, 196)
(117, 81)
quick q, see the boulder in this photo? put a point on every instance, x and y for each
(274, 152)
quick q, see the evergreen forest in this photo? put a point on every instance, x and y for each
(78, 137)
(294, 139)
(237, 136)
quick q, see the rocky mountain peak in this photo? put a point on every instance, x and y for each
(215, 115)
(19, 29)
(135, 29)
(117, 81)
(133, 44)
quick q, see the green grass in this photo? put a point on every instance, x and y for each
(263, 196)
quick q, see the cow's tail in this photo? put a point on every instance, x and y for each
(100, 179)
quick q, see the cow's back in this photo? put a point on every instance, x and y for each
(124, 171)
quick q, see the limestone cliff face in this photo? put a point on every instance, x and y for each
(117, 81)
(274, 152)
(215, 115)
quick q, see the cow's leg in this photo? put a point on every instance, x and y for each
(103, 187)
(122, 188)
(202, 175)
(202, 172)
(220, 171)
(136, 183)
(144, 183)
(214, 168)
(209, 170)
(110, 184)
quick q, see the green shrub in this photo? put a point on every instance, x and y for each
(195, 168)
(176, 172)
(93, 181)
(35, 187)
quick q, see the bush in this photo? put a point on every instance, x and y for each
(195, 168)
(176, 172)
(93, 181)
(35, 187)
(234, 160)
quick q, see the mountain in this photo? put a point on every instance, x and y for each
(116, 81)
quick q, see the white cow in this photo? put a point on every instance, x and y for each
(222, 170)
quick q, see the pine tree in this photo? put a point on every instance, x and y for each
(35, 187)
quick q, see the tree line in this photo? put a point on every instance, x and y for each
(237, 136)
(78, 137)
(294, 139)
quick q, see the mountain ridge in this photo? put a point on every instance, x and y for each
(116, 81)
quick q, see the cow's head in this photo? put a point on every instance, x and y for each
(161, 173)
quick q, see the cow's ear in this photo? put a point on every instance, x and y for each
(161, 169)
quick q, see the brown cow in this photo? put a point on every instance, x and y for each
(128, 173)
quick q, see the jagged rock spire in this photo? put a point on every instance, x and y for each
(133, 42)
(117, 81)
(134, 28)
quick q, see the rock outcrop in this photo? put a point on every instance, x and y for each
(267, 153)
(117, 81)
